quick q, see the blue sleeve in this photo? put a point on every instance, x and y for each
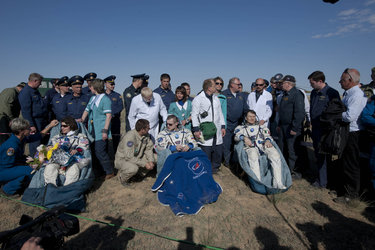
(368, 114)
(26, 106)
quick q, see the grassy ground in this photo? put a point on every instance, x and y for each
(301, 218)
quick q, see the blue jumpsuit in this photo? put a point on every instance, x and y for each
(13, 170)
(166, 95)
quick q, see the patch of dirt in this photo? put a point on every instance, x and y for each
(303, 217)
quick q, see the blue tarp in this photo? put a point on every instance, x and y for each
(185, 183)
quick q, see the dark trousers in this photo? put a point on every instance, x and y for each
(4, 128)
(15, 177)
(288, 145)
(321, 159)
(115, 130)
(214, 153)
(101, 152)
(350, 166)
(40, 124)
(228, 145)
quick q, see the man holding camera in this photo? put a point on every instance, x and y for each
(208, 123)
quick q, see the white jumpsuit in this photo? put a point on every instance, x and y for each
(258, 136)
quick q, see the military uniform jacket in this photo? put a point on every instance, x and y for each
(117, 104)
(59, 107)
(128, 95)
(170, 139)
(135, 149)
(257, 134)
(9, 104)
(75, 105)
(32, 104)
(292, 110)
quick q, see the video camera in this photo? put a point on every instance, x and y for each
(50, 226)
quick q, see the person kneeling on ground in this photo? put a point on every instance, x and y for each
(69, 157)
(135, 152)
(257, 140)
(14, 170)
(173, 140)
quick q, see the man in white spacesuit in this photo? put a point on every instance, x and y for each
(172, 140)
(257, 141)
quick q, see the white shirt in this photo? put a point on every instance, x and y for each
(202, 104)
(355, 101)
(262, 107)
(139, 109)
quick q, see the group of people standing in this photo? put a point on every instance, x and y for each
(209, 120)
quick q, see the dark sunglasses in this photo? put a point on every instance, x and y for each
(219, 83)
(169, 124)
(112, 83)
(259, 84)
(64, 126)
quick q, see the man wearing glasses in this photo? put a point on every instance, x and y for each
(173, 140)
(261, 102)
(236, 108)
(355, 101)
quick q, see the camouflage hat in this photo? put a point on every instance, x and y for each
(21, 84)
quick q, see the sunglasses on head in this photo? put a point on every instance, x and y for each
(346, 71)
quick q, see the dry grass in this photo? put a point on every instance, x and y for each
(300, 218)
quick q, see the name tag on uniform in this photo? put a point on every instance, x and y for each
(84, 103)
(57, 101)
(114, 99)
(285, 98)
(70, 103)
(322, 97)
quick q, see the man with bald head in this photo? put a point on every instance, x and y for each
(355, 101)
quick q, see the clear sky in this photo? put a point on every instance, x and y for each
(191, 40)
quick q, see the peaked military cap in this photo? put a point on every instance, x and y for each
(278, 77)
(289, 78)
(63, 81)
(141, 76)
(110, 79)
(90, 76)
(74, 80)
